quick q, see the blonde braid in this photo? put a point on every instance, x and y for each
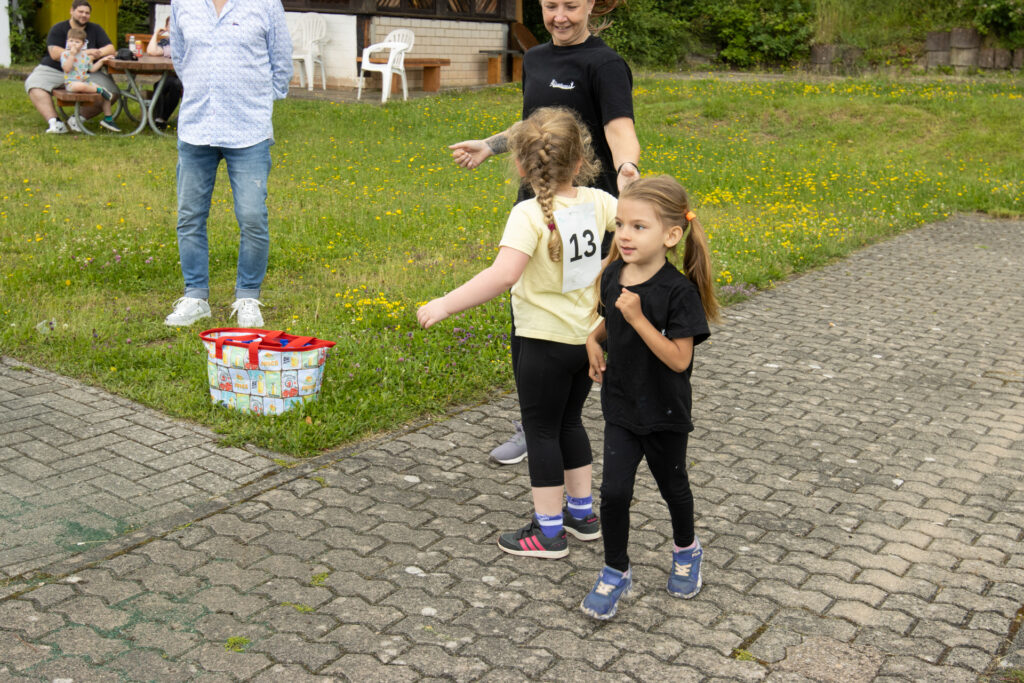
(546, 198)
(552, 148)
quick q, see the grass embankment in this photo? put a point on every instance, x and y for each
(369, 217)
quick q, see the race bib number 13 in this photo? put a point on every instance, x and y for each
(581, 245)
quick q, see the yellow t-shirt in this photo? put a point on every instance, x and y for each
(541, 310)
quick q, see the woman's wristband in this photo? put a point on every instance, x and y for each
(619, 170)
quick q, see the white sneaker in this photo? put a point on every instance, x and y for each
(57, 127)
(248, 312)
(187, 310)
(74, 124)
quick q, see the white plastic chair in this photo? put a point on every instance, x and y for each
(307, 47)
(397, 43)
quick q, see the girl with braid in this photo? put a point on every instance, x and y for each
(550, 255)
(576, 70)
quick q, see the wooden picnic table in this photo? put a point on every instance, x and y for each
(146, 65)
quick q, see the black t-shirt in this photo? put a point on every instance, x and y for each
(589, 78)
(95, 37)
(639, 392)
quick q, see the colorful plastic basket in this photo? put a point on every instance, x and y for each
(266, 372)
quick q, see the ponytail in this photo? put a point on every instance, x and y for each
(697, 267)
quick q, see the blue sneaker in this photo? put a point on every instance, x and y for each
(603, 599)
(684, 581)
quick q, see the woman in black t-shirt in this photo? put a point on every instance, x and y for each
(576, 70)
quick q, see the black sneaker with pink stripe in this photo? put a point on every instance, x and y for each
(531, 541)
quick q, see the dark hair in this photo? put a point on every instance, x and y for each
(602, 8)
(75, 4)
(77, 34)
(548, 145)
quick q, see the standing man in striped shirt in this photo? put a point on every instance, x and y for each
(234, 58)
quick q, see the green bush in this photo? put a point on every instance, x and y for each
(132, 17)
(755, 32)
(26, 46)
(650, 33)
(1003, 19)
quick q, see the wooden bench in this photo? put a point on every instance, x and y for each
(431, 71)
(64, 98)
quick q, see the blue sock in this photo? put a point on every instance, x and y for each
(580, 508)
(551, 525)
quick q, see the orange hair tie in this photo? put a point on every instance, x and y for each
(690, 215)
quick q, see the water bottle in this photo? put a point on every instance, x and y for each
(131, 44)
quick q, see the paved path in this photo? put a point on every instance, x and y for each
(858, 478)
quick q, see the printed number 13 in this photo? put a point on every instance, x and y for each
(574, 240)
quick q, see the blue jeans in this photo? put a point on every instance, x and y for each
(248, 169)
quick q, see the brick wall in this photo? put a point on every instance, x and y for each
(459, 41)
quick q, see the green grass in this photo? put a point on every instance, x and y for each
(891, 31)
(369, 218)
(237, 644)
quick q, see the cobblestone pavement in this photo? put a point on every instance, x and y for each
(858, 479)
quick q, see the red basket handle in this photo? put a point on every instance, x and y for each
(254, 348)
(219, 343)
(290, 344)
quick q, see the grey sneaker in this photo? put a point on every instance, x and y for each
(74, 124)
(513, 450)
(186, 311)
(248, 312)
(57, 127)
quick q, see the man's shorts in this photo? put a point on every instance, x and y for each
(47, 78)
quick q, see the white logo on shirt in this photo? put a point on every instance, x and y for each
(563, 86)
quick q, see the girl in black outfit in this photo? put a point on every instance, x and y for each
(654, 316)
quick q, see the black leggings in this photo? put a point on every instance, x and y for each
(666, 458)
(553, 383)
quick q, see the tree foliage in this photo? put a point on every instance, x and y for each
(26, 46)
(754, 32)
(132, 17)
(1003, 19)
(650, 33)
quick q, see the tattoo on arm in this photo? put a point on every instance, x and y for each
(498, 143)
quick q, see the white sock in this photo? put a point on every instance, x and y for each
(50, 121)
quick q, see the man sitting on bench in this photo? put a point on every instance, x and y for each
(49, 75)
